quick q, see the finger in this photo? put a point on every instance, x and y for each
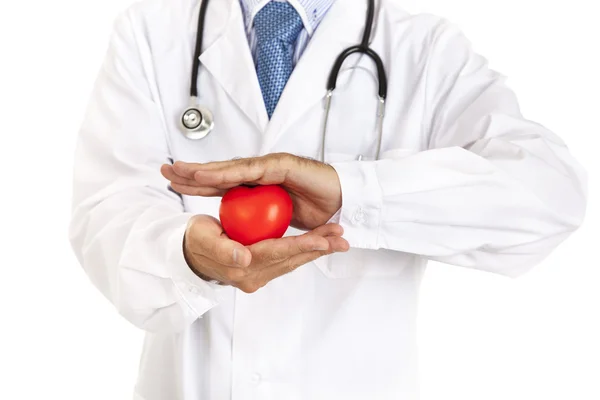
(237, 174)
(266, 170)
(193, 167)
(270, 252)
(169, 173)
(185, 170)
(227, 252)
(289, 265)
(205, 240)
(328, 230)
(338, 244)
(197, 191)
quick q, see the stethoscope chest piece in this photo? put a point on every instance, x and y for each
(197, 122)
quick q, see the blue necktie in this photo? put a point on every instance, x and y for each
(277, 26)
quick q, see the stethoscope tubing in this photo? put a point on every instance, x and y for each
(198, 48)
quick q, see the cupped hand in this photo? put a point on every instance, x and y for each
(212, 255)
(314, 186)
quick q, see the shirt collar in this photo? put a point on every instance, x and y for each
(312, 12)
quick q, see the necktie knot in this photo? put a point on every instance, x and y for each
(278, 21)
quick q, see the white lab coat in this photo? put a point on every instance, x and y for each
(463, 179)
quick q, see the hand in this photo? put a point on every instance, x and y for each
(314, 186)
(211, 254)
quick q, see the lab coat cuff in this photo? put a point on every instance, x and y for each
(362, 200)
(336, 217)
(199, 295)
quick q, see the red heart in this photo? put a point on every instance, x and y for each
(252, 214)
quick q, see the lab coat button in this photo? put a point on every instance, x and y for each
(255, 379)
(359, 216)
(194, 290)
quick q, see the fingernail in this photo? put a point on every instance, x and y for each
(236, 256)
(321, 247)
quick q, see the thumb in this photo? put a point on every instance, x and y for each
(205, 237)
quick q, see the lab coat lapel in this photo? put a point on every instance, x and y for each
(341, 28)
(229, 60)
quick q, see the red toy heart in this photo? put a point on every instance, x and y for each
(252, 214)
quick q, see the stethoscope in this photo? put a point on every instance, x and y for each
(197, 121)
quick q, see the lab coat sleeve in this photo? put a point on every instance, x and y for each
(127, 227)
(493, 191)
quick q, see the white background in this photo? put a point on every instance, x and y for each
(482, 336)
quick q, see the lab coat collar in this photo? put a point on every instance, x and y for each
(341, 28)
(228, 59)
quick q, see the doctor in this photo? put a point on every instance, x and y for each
(329, 311)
